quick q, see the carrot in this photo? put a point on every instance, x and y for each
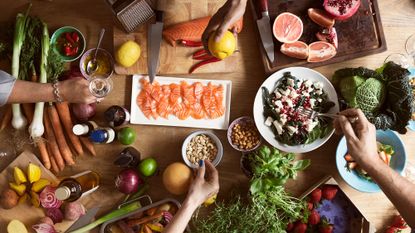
(88, 145)
(52, 144)
(65, 116)
(348, 158)
(7, 117)
(28, 110)
(54, 166)
(44, 155)
(60, 137)
(135, 222)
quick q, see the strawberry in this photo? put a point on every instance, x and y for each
(315, 195)
(399, 222)
(392, 230)
(289, 227)
(325, 226)
(314, 218)
(300, 227)
(329, 191)
(310, 206)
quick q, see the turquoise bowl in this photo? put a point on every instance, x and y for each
(55, 47)
(398, 161)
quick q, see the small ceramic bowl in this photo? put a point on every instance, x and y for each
(60, 32)
(104, 60)
(215, 139)
(241, 121)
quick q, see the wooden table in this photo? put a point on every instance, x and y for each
(164, 143)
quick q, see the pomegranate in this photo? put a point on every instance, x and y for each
(320, 51)
(296, 49)
(328, 35)
(341, 9)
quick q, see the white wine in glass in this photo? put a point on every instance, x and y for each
(100, 86)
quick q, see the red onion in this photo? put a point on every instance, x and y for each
(48, 199)
(44, 228)
(83, 112)
(73, 210)
(55, 214)
(128, 181)
(46, 220)
(74, 72)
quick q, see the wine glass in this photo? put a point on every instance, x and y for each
(398, 58)
(410, 46)
(99, 85)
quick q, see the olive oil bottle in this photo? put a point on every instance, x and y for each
(72, 188)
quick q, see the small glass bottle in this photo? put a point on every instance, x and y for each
(102, 136)
(74, 187)
(84, 129)
(117, 116)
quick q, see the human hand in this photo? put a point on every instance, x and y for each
(205, 184)
(360, 138)
(76, 90)
(222, 20)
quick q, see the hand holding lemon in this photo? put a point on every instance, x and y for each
(224, 47)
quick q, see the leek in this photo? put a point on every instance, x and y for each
(112, 215)
(36, 129)
(18, 121)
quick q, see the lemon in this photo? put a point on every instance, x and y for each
(128, 53)
(224, 47)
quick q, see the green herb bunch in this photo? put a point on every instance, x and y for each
(269, 207)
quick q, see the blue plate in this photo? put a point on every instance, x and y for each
(411, 124)
(398, 161)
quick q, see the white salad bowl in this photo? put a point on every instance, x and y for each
(269, 83)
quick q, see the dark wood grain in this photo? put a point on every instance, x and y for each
(359, 36)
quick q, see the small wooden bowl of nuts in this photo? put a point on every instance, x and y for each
(202, 145)
(243, 134)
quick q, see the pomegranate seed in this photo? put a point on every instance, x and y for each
(341, 4)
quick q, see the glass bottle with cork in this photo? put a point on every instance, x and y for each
(72, 188)
(103, 135)
(84, 129)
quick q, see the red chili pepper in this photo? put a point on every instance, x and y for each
(199, 53)
(69, 38)
(75, 36)
(202, 63)
(74, 50)
(191, 43)
(67, 50)
(203, 57)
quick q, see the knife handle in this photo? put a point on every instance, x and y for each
(262, 5)
(159, 16)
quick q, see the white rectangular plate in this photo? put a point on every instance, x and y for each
(137, 116)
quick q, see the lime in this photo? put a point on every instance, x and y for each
(224, 47)
(126, 136)
(148, 166)
(128, 53)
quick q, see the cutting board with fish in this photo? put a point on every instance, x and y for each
(358, 36)
(175, 60)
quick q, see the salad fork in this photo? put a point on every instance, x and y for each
(311, 114)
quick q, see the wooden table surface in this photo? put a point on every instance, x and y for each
(164, 143)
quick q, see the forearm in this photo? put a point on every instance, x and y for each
(30, 92)
(182, 217)
(398, 189)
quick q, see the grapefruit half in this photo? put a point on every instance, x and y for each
(320, 51)
(287, 27)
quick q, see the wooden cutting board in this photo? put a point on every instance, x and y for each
(174, 60)
(25, 213)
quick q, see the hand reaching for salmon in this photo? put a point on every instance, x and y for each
(225, 19)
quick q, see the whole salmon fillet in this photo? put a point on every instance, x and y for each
(191, 30)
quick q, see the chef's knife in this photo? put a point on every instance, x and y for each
(154, 41)
(84, 220)
(264, 28)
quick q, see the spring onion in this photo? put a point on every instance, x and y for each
(18, 121)
(112, 215)
(36, 129)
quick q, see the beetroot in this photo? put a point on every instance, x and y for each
(341, 9)
(55, 214)
(73, 210)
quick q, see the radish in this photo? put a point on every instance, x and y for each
(341, 9)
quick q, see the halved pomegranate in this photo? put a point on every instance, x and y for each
(320, 51)
(328, 35)
(296, 49)
(341, 9)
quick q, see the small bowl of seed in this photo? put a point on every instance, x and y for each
(243, 134)
(202, 145)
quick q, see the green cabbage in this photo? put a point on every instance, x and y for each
(370, 95)
(348, 87)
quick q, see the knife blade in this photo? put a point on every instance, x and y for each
(264, 28)
(84, 220)
(154, 41)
